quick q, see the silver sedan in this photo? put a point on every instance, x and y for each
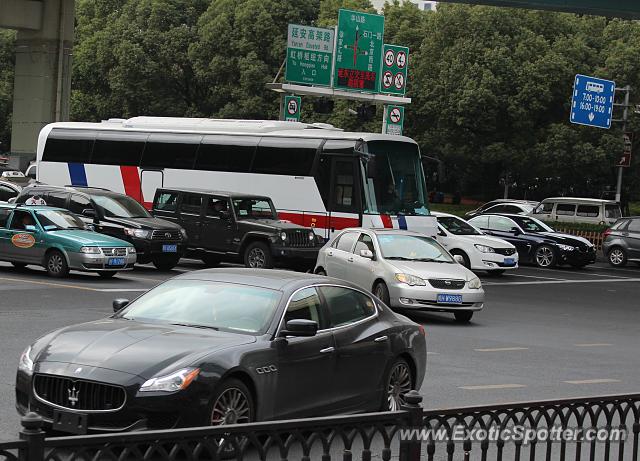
(404, 269)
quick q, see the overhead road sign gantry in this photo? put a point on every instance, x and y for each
(592, 101)
(372, 98)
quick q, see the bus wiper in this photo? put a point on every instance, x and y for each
(194, 325)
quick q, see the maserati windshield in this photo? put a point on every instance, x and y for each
(206, 304)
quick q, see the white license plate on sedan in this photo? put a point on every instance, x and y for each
(444, 298)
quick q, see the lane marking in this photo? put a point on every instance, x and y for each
(433, 353)
(502, 349)
(593, 381)
(492, 386)
(555, 282)
(593, 345)
(534, 277)
(579, 272)
(64, 285)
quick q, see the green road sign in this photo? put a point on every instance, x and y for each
(395, 60)
(393, 120)
(358, 51)
(309, 55)
(292, 106)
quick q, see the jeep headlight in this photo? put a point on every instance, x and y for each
(475, 283)
(410, 280)
(26, 362)
(173, 382)
(138, 233)
(283, 236)
(484, 248)
(312, 236)
(91, 250)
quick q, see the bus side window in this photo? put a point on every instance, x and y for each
(343, 190)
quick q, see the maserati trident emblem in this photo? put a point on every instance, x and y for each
(73, 395)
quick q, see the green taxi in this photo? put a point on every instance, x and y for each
(59, 241)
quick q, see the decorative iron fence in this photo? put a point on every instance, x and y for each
(501, 432)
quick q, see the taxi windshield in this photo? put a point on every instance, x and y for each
(51, 220)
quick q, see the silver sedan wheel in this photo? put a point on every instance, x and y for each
(616, 256)
(544, 256)
(398, 385)
(231, 407)
(257, 258)
(55, 263)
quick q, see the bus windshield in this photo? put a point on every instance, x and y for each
(394, 181)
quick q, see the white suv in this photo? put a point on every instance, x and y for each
(479, 251)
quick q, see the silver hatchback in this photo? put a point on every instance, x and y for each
(404, 269)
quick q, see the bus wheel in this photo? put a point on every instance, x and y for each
(257, 255)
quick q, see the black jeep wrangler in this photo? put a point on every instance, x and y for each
(233, 227)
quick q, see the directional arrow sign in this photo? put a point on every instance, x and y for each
(592, 101)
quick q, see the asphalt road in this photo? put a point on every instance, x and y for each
(544, 334)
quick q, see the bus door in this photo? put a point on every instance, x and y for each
(150, 180)
(344, 204)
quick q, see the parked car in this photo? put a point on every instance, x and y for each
(31, 170)
(8, 190)
(622, 242)
(58, 240)
(14, 176)
(578, 210)
(478, 251)
(156, 240)
(503, 205)
(536, 242)
(228, 346)
(406, 270)
(227, 226)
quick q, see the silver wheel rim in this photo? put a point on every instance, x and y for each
(398, 385)
(380, 292)
(544, 256)
(616, 256)
(55, 263)
(231, 407)
(257, 258)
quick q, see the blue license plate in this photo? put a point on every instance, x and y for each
(116, 262)
(449, 299)
(170, 248)
(509, 261)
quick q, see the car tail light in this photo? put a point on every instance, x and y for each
(606, 233)
(422, 330)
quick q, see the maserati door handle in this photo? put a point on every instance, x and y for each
(327, 350)
(380, 339)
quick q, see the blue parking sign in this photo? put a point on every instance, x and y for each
(592, 101)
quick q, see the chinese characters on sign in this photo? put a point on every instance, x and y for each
(309, 55)
(358, 51)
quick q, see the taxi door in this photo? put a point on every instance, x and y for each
(24, 238)
(5, 240)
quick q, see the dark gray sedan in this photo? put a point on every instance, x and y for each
(224, 346)
(622, 242)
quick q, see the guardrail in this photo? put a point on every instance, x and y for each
(549, 430)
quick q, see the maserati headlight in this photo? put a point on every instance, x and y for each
(26, 362)
(566, 247)
(176, 381)
(484, 249)
(90, 250)
(475, 283)
(410, 280)
(139, 233)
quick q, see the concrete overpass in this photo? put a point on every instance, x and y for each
(42, 81)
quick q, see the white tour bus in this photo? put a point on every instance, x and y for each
(317, 175)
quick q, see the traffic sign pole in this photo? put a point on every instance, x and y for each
(625, 115)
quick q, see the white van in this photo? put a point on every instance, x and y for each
(578, 210)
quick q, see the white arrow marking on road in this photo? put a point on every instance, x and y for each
(591, 116)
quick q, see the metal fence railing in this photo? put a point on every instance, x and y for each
(570, 429)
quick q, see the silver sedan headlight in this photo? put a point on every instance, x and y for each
(475, 283)
(410, 280)
(484, 248)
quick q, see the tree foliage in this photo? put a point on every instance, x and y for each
(7, 40)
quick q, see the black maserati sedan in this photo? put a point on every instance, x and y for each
(536, 242)
(224, 346)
